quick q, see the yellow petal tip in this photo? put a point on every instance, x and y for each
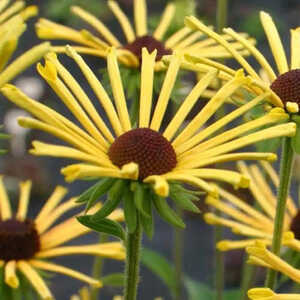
(223, 246)
(130, 171)
(12, 281)
(292, 107)
(161, 186)
(260, 293)
(209, 218)
(287, 237)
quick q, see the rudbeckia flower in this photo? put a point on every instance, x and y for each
(259, 255)
(25, 243)
(145, 152)
(130, 53)
(12, 25)
(281, 84)
(254, 223)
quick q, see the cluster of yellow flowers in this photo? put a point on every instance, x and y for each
(154, 150)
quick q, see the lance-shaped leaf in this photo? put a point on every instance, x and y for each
(130, 212)
(140, 199)
(96, 191)
(167, 213)
(103, 225)
(147, 222)
(183, 199)
(115, 195)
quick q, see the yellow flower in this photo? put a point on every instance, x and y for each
(259, 255)
(138, 37)
(85, 294)
(250, 222)
(180, 152)
(12, 25)
(26, 243)
(282, 85)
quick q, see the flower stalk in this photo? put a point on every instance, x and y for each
(247, 279)
(221, 15)
(286, 164)
(132, 264)
(178, 257)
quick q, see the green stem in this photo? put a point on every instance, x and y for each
(219, 260)
(286, 165)
(178, 256)
(132, 264)
(221, 14)
(247, 279)
(98, 267)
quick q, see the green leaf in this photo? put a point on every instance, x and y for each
(114, 280)
(139, 199)
(114, 198)
(197, 290)
(97, 190)
(167, 213)
(183, 199)
(268, 145)
(161, 267)
(147, 222)
(130, 212)
(103, 225)
(296, 139)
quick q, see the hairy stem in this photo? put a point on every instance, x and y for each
(132, 264)
(178, 257)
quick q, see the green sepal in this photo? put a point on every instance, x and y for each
(96, 191)
(103, 225)
(296, 138)
(167, 213)
(183, 198)
(147, 222)
(130, 212)
(140, 199)
(114, 280)
(113, 199)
